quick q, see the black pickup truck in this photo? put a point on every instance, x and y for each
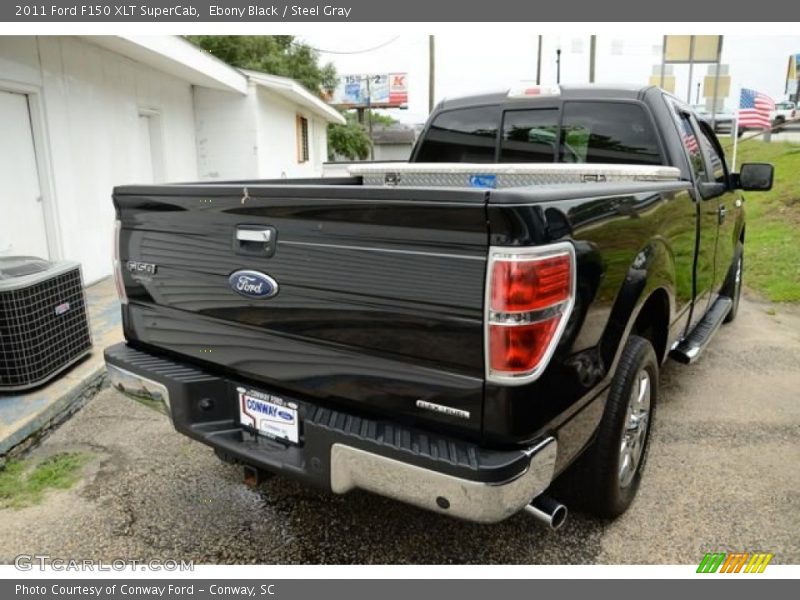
(466, 348)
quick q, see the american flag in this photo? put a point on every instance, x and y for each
(754, 109)
(689, 140)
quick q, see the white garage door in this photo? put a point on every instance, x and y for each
(22, 228)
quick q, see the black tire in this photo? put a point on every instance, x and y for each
(594, 483)
(733, 283)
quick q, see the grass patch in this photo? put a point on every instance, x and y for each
(772, 239)
(24, 484)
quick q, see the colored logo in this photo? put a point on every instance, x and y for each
(735, 562)
(483, 181)
(253, 284)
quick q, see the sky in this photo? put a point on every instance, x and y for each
(500, 61)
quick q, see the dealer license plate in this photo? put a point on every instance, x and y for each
(269, 414)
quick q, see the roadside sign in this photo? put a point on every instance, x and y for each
(378, 90)
(668, 83)
(723, 86)
(691, 48)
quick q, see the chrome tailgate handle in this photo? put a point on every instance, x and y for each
(255, 240)
(254, 235)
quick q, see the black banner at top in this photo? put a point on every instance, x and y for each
(711, 11)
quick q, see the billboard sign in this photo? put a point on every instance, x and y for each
(692, 48)
(794, 62)
(380, 90)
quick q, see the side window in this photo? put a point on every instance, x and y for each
(529, 135)
(717, 161)
(608, 132)
(465, 135)
(302, 139)
(691, 145)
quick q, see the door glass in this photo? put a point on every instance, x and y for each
(692, 147)
(716, 168)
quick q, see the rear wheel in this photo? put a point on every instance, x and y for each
(605, 479)
(733, 283)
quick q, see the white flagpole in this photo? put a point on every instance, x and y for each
(735, 132)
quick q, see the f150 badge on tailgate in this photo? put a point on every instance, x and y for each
(253, 284)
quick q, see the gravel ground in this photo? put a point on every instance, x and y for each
(722, 475)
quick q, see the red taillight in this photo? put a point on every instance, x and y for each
(117, 266)
(519, 348)
(529, 297)
(534, 284)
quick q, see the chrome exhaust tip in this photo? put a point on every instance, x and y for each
(548, 511)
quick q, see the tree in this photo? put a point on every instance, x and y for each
(274, 54)
(351, 140)
(282, 55)
(348, 140)
(380, 118)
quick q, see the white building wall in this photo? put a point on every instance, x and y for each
(254, 136)
(277, 138)
(321, 144)
(91, 100)
(227, 145)
(393, 151)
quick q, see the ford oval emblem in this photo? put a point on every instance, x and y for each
(253, 284)
(286, 416)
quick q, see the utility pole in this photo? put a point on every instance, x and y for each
(539, 62)
(691, 69)
(558, 65)
(592, 56)
(369, 120)
(431, 72)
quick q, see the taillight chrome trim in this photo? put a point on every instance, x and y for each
(119, 281)
(490, 317)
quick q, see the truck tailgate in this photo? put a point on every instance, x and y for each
(379, 291)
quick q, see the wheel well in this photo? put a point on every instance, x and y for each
(652, 323)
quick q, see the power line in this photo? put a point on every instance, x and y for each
(373, 48)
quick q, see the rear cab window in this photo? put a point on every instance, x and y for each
(608, 132)
(574, 132)
(463, 135)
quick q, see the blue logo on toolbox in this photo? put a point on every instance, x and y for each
(253, 284)
(483, 181)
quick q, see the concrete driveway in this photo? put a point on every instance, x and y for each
(722, 476)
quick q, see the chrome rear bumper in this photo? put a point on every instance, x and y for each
(151, 394)
(472, 500)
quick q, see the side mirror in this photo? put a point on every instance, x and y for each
(755, 177)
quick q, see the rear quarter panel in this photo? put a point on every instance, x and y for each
(628, 245)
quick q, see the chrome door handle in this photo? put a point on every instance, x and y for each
(722, 213)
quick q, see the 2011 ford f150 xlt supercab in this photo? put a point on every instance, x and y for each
(465, 332)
